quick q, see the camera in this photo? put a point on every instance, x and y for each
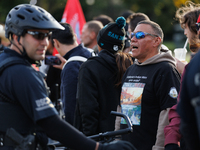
(52, 60)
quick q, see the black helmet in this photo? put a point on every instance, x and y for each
(26, 16)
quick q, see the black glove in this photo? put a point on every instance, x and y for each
(117, 145)
(172, 147)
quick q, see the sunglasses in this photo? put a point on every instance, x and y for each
(140, 35)
(39, 35)
(197, 26)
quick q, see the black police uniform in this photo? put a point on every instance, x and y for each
(25, 98)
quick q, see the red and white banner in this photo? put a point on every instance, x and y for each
(73, 14)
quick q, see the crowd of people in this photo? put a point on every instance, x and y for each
(120, 65)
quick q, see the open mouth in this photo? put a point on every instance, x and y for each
(135, 47)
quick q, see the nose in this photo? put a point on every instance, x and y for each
(133, 39)
(185, 32)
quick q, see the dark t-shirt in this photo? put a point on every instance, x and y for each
(146, 91)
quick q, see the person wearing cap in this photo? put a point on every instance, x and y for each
(24, 103)
(187, 16)
(149, 88)
(99, 81)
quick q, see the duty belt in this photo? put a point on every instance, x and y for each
(13, 139)
(5, 142)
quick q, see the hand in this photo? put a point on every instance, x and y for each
(172, 147)
(117, 145)
(63, 61)
(180, 66)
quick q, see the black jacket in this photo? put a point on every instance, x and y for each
(97, 94)
(188, 106)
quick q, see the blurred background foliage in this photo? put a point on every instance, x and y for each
(160, 11)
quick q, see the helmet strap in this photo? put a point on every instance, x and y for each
(24, 54)
(24, 50)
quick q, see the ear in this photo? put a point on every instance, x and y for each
(93, 35)
(157, 41)
(56, 43)
(15, 39)
(75, 36)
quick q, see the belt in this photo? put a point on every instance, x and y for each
(5, 141)
(7, 148)
(8, 144)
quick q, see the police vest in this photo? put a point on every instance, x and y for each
(12, 113)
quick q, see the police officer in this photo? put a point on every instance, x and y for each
(24, 103)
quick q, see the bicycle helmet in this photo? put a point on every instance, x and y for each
(26, 16)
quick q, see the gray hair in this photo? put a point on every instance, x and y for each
(156, 28)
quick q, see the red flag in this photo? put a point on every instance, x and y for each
(198, 20)
(73, 14)
(54, 51)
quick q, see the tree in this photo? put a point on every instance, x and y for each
(160, 11)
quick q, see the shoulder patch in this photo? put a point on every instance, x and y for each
(173, 93)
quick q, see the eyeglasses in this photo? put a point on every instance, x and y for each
(140, 35)
(197, 26)
(39, 35)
